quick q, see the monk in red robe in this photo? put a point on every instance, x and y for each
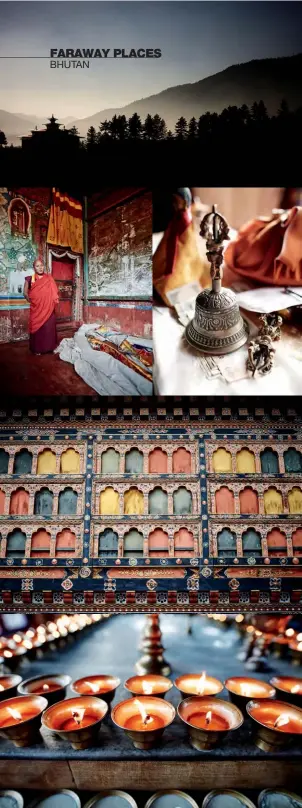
(41, 292)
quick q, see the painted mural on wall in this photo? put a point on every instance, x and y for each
(18, 246)
(120, 251)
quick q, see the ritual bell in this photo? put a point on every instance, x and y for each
(217, 327)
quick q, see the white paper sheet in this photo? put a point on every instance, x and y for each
(267, 299)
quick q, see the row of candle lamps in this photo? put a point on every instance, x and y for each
(285, 643)
(34, 642)
(146, 715)
(173, 798)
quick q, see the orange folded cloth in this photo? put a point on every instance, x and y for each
(269, 251)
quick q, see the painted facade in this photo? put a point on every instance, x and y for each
(148, 507)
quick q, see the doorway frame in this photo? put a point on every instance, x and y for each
(77, 305)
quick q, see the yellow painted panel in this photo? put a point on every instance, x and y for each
(134, 501)
(272, 501)
(245, 462)
(222, 461)
(295, 500)
(70, 462)
(46, 462)
(109, 502)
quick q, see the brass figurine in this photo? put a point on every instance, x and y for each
(260, 350)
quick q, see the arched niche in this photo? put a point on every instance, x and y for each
(245, 462)
(269, 461)
(40, 544)
(70, 462)
(248, 499)
(133, 502)
(224, 499)
(292, 460)
(2, 502)
(19, 502)
(65, 543)
(46, 462)
(276, 543)
(181, 461)
(297, 542)
(222, 461)
(4, 458)
(226, 543)
(23, 462)
(295, 500)
(43, 502)
(273, 502)
(251, 543)
(15, 547)
(68, 500)
(182, 501)
(133, 544)
(183, 543)
(158, 543)
(158, 461)
(110, 461)
(158, 501)
(109, 502)
(134, 461)
(108, 543)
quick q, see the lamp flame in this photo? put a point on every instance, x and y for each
(1, 688)
(295, 689)
(93, 686)
(201, 684)
(245, 691)
(209, 717)
(14, 713)
(144, 715)
(147, 688)
(45, 687)
(78, 715)
(281, 721)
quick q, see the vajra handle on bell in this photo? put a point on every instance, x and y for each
(215, 230)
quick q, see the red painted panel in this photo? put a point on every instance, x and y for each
(158, 462)
(248, 501)
(276, 542)
(224, 500)
(134, 321)
(62, 269)
(297, 542)
(40, 544)
(19, 502)
(181, 461)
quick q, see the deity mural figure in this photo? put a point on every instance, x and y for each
(40, 290)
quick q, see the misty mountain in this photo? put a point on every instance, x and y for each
(266, 79)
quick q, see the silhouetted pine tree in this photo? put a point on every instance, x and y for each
(3, 141)
(91, 140)
(283, 111)
(181, 129)
(148, 128)
(259, 112)
(159, 128)
(206, 124)
(135, 127)
(245, 114)
(104, 131)
(193, 129)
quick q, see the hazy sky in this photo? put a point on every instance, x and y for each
(197, 39)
